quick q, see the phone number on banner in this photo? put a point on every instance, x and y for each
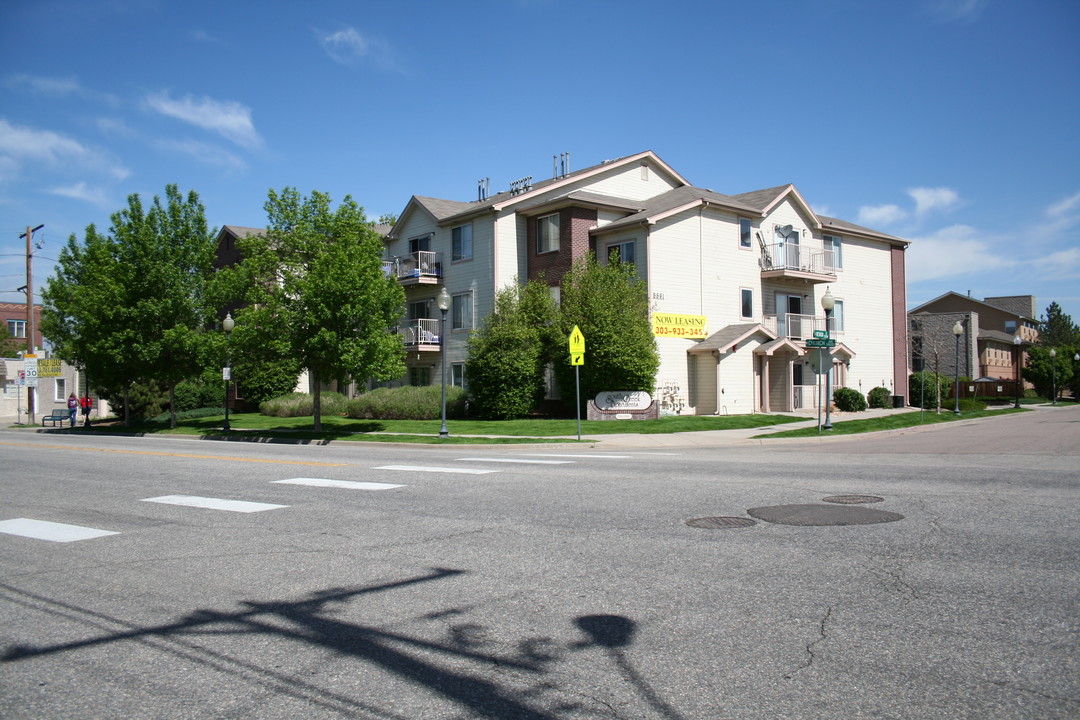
(670, 331)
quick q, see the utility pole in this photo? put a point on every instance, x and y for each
(30, 329)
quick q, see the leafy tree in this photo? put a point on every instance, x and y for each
(1056, 329)
(132, 306)
(9, 346)
(610, 305)
(507, 356)
(314, 291)
(1042, 371)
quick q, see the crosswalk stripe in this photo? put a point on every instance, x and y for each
(54, 532)
(241, 506)
(582, 455)
(518, 460)
(346, 484)
(428, 468)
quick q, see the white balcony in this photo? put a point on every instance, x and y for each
(798, 327)
(799, 262)
(420, 335)
(422, 267)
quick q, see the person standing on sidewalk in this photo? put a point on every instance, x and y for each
(73, 407)
(86, 403)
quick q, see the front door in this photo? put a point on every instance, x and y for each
(797, 384)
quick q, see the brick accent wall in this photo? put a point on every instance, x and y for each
(899, 322)
(574, 226)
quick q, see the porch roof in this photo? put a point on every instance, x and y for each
(726, 338)
(783, 343)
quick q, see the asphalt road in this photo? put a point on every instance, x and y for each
(543, 581)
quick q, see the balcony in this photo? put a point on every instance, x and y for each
(420, 335)
(797, 262)
(797, 327)
(418, 268)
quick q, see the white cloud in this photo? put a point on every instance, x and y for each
(1060, 265)
(1064, 207)
(956, 10)
(951, 252)
(927, 199)
(80, 191)
(39, 145)
(877, 215)
(51, 87)
(205, 153)
(348, 47)
(229, 119)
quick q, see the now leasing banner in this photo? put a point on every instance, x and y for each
(686, 326)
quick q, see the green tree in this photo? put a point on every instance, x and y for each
(9, 346)
(508, 355)
(1048, 373)
(133, 305)
(1056, 329)
(313, 290)
(610, 305)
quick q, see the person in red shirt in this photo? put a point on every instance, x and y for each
(86, 403)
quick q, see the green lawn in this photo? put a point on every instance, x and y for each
(891, 422)
(512, 431)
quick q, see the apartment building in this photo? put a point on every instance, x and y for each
(736, 281)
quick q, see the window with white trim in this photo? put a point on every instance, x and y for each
(835, 247)
(547, 233)
(744, 232)
(461, 243)
(622, 253)
(746, 296)
(461, 311)
(457, 375)
(16, 328)
(838, 316)
(59, 389)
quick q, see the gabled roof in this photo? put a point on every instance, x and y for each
(765, 201)
(967, 299)
(241, 231)
(783, 343)
(675, 201)
(847, 228)
(725, 339)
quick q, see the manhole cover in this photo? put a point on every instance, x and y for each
(720, 523)
(852, 499)
(820, 515)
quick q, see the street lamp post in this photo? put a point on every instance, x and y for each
(957, 330)
(1016, 344)
(828, 302)
(227, 325)
(443, 301)
(1053, 371)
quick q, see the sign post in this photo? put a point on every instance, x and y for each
(577, 359)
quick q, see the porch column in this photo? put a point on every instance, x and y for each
(718, 396)
(765, 385)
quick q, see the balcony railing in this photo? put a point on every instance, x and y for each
(421, 334)
(422, 266)
(780, 258)
(798, 327)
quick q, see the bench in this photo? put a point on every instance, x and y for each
(56, 416)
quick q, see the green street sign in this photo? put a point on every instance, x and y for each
(820, 343)
(821, 334)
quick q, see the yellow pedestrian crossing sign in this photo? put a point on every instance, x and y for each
(577, 347)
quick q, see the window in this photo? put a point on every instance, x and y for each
(547, 234)
(744, 232)
(1010, 327)
(835, 248)
(419, 376)
(621, 253)
(747, 302)
(420, 244)
(461, 243)
(838, 316)
(418, 310)
(457, 375)
(16, 328)
(59, 389)
(462, 312)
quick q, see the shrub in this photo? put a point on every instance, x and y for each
(879, 397)
(198, 393)
(302, 405)
(932, 384)
(971, 404)
(407, 403)
(849, 400)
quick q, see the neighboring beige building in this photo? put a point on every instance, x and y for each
(987, 344)
(736, 281)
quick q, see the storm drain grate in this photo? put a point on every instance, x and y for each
(852, 499)
(720, 523)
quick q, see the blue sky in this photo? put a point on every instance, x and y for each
(951, 123)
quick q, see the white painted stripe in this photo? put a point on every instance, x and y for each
(425, 468)
(518, 460)
(582, 455)
(54, 532)
(214, 503)
(347, 484)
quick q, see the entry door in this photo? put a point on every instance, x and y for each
(789, 305)
(797, 383)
